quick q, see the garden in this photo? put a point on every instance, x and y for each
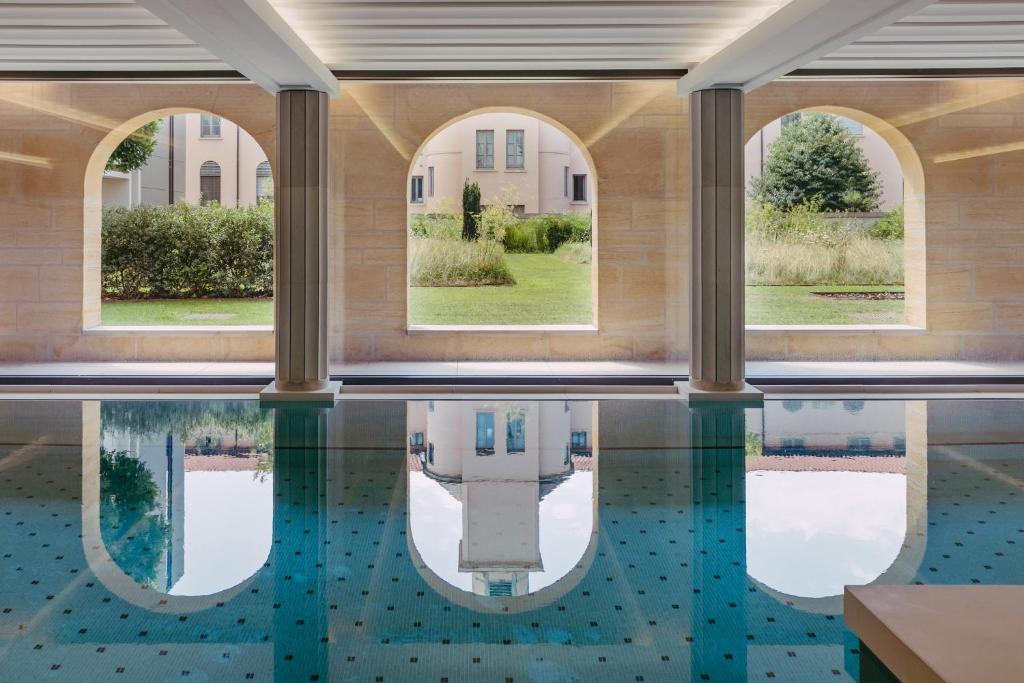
(484, 265)
(817, 250)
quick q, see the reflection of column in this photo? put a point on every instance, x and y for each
(175, 560)
(717, 436)
(300, 532)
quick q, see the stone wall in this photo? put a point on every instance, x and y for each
(959, 142)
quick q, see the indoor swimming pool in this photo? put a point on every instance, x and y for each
(509, 540)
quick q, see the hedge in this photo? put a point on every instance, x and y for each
(186, 251)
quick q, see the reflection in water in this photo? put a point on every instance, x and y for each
(500, 492)
(826, 495)
(186, 494)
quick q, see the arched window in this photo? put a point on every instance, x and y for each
(264, 181)
(209, 182)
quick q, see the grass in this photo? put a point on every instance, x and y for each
(798, 306)
(549, 291)
(850, 258)
(455, 263)
(189, 312)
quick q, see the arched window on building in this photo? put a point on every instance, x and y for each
(209, 182)
(264, 182)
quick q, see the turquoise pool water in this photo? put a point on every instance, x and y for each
(506, 541)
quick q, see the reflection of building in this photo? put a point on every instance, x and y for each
(198, 157)
(164, 457)
(834, 428)
(499, 458)
(540, 168)
(878, 152)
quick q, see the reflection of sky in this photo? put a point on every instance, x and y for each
(566, 521)
(811, 533)
(228, 529)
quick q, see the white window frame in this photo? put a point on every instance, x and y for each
(209, 126)
(430, 181)
(486, 139)
(416, 190)
(515, 155)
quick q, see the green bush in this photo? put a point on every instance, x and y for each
(457, 263)
(889, 227)
(470, 210)
(526, 237)
(186, 251)
(440, 224)
(546, 232)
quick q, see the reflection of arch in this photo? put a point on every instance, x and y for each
(913, 193)
(100, 563)
(573, 138)
(904, 568)
(523, 603)
(93, 200)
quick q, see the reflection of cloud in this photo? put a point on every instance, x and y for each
(811, 533)
(987, 150)
(26, 159)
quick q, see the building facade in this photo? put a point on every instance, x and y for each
(198, 158)
(516, 159)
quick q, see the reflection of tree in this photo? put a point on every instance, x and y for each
(132, 526)
(185, 419)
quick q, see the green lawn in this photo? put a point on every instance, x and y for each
(548, 291)
(798, 306)
(189, 312)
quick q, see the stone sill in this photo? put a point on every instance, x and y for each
(501, 329)
(835, 329)
(197, 330)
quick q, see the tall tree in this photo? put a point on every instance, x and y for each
(816, 158)
(135, 150)
(470, 210)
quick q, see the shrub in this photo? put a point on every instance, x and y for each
(470, 210)
(495, 221)
(816, 157)
(443, 223)
(526, 237)
(457, 263)
(889, 226)
(186, 251)
(575, 252)
(858, 260)
(546, 232)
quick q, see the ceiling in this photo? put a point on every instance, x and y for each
(499, 35)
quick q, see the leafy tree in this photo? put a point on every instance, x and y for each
(470, 210)
(135, 150)
(816, 158)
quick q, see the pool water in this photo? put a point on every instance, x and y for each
(487, 540)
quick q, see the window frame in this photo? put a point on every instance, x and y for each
(486, 136)
(416, 189)
(211, 122)
(264, 173)
(582, 179)
(566, 174)
(430, 181)
(515, 442)
(521, 155)
(205, 171)
(483, 448)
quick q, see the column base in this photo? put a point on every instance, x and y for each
(328, 394)
(745, 394)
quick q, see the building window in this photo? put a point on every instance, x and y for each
(416, 190)
(209, 126)
(858, 443)
(209, 182)
(795, 444)
(485, 149)
(499, 589)
(565, 182)
(485, 433)
(264, 181)
(515, 149)
(579, 187)
(430, 453)
(430, 181)
(579, 440)
(790, 118)
(515, 440)
(416, 439)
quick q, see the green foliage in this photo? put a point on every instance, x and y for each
(753, 445)
(458, 263)
(133, 528)
(575, 252)
(185, 419)
(816, 158)
(526, 237)
(135, 150)
(546, 232)
(889, 226)
(444, 222)
(186, 251)
(495, 220)
(470, 210)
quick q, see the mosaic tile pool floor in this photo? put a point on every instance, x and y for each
(508, 541)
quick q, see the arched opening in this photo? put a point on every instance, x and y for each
(178, 497)
(502, 497)
(502, 219)
(835, 222)
(179, 225)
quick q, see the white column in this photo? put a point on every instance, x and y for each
(300, 248)
(716, 247)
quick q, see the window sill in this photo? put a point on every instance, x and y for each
(211, 137)
(110, 330)
(501, 329)
(579, 202)
(486, 170)
(515, 170)
(836, 329)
